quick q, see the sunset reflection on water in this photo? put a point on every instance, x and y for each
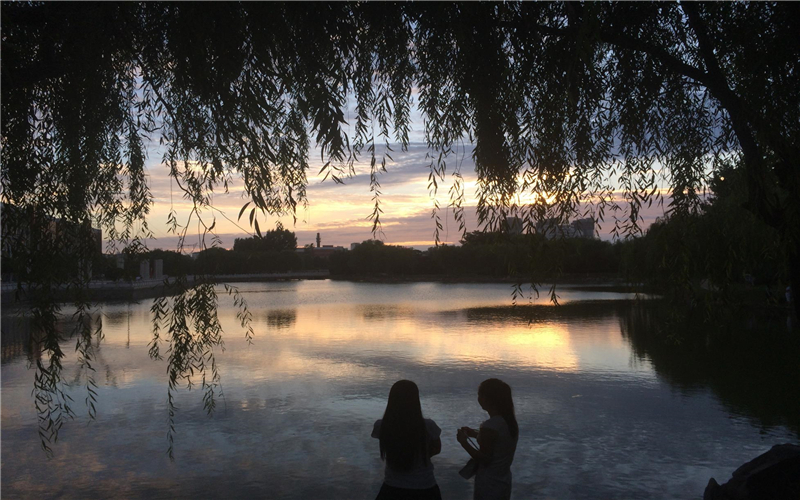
(299, 403)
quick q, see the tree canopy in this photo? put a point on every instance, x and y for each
(565, 102)
(613, 105)
(274, 240)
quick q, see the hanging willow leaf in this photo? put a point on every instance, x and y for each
(571, 108)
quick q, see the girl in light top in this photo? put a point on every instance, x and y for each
(407, 441)
(497, 441)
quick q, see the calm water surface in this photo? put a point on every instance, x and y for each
(603, 411)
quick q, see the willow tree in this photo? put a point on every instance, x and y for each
(571, 107)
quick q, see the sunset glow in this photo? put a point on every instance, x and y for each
(340, 212)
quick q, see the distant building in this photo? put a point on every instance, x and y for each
(67, 234)
(513, 225)
(353, 246)
(580, 228)
(323, 252)
(144, 269)
(151, 269)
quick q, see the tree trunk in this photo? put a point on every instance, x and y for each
(794, 278)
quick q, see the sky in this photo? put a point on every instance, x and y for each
(340, 212)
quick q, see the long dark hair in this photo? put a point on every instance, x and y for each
(403, 435)
(498, 394)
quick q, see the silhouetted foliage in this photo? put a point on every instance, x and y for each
(746, 358)
(484, 254)
(214, 261)
(721, 245)
(568, 104)
(175, 264)
(187, 320)
(274, 240)
(372, 257)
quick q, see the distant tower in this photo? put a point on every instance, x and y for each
(319, 240)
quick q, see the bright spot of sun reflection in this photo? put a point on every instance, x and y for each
(543, 346)
(542, 338)
(398, 334)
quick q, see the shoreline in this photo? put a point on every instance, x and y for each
(108, 291)
(573, 281)
(114, 291)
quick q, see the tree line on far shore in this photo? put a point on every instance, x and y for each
(716, 247)
(481, 254)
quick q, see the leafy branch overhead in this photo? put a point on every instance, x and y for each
(572, 107)
(564, 102)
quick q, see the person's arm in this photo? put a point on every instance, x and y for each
(434, 437)
(486, 441)
(434, 447)
(376, 429)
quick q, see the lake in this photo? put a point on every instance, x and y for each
(606, 408)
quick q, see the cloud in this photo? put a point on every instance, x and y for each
(414, 229)
(340, 212)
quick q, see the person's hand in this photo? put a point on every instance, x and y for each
(461, 436)
(470, 432)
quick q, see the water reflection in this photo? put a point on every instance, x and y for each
(606, 410)
(18, 339)
(383, 312)
(281, 318)
(583, 311)
(117, 318)
(751, 368)
(748, 372)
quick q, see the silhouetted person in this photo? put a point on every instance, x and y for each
(407, 441)
(497, 442)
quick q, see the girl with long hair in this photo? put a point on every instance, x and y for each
(407, 443)
(497, 442)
